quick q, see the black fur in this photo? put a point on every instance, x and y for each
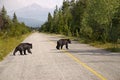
(62, 42)
(23, 47)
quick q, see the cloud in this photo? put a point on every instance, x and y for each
(16, 4)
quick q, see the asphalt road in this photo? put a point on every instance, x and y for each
(80, 62)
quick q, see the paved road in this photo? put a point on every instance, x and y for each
(80, 62)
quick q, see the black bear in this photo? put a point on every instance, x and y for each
(62, 42)
(23, 47)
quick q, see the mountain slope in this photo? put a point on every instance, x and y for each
(33, 13)
(31, 22)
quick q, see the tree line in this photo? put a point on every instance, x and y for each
(11, 27)
(93, 20)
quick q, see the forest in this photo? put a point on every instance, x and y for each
(92, 20)
(11, 28)
(12, 32)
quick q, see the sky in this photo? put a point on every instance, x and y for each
(16, 4)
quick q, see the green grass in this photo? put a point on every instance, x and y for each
(107, 46)
(8, 44)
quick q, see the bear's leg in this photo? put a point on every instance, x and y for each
(58, 45)
(24, 52)
(20, 52)
(61, 46)
(66, 46)
(29, 51)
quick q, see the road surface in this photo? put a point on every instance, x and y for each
(80, 62)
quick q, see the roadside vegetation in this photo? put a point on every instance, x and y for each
(12, 32)
(96, 22)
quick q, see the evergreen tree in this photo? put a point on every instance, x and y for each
(55, 28)
(5, 18)
(4, 13)
(115, 29)
(96, 20)
(77, 13)
(7, 26)
(15, 20)
(1, 22)
(60, 22)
